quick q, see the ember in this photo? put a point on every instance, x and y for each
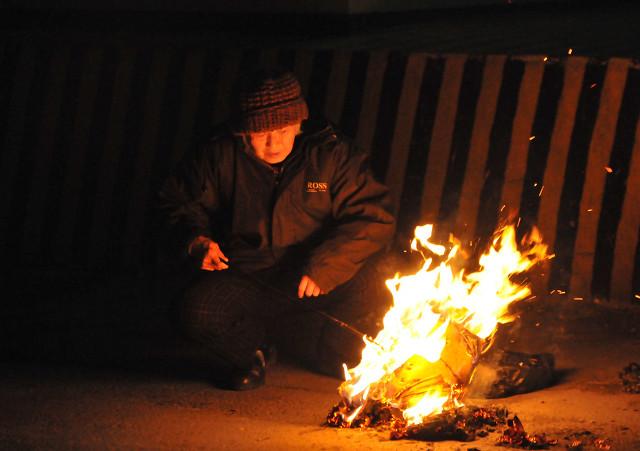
(586, 440)
(630, 377)
(516, 437)
(413, 375)
(463, 423)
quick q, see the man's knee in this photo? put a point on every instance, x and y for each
(218, 303)
(204, 308)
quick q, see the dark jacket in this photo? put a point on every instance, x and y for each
(322, 203)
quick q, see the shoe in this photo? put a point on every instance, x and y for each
(252, 378)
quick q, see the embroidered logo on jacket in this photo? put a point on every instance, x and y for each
(317, 187)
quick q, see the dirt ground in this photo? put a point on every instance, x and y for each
(90, 385)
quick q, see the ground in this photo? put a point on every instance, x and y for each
(102, 381)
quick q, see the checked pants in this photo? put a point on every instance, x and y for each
(232, 314)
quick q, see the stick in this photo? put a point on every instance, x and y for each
(289, 298)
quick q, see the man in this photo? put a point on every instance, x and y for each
(275, 200)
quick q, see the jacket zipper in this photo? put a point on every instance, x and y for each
(277, 177)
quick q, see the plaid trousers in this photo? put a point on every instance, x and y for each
(233, 314)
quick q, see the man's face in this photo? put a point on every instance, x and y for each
(274, 146)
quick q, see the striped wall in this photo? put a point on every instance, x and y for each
(89, 131)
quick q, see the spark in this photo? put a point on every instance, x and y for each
(637, 296)
(589, 209)
(608, 169)
(546, 58)
(541, 190)
(578, 299)
(569, 52)
(593, 85)
(531, 138)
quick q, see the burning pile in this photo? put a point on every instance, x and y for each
(417, 367)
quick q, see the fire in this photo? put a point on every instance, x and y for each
(441, 322)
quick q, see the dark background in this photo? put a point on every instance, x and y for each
(592, 28)
(48, 291)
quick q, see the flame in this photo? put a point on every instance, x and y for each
(439, 307)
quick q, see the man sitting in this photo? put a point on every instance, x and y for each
(277, 200)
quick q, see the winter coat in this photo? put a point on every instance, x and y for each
(322, 202)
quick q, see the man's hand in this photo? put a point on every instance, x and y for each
(209, 253)
(308, 288)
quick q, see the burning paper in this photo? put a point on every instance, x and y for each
(441, 322)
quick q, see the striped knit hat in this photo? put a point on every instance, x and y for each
(268, 100)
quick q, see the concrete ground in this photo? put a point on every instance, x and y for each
(84, 376)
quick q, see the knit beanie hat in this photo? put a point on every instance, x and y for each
(268, 100)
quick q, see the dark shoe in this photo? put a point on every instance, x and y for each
(254, 377)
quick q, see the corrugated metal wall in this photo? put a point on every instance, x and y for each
(89, 131)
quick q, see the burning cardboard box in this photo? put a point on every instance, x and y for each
(442, 321)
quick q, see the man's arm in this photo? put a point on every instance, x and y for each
(363, 224)
(186, 203)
